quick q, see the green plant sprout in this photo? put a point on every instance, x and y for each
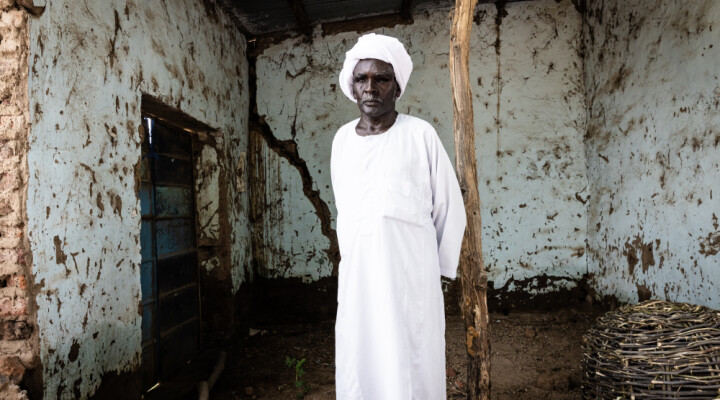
(300, 384)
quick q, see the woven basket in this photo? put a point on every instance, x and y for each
(653, 350)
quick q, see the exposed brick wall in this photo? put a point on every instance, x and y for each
(18, 348)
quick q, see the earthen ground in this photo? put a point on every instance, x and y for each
(535, 355)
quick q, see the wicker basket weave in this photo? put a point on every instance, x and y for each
(653, 350)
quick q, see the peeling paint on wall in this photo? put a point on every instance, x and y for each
(90, 64)
(653, 91)
(529, 122)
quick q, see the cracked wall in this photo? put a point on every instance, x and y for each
(653, 95)
(90, 64)
(529, 122)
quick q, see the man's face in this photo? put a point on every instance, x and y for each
(374, 87)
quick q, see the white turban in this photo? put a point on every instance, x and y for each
(379, 47)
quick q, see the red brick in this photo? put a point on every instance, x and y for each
(10, 242)
(20, 307)
(11, 370)
(9, 256)
(5, 208)
(10, 181)
(7, 150)
(15, 330)
(6, 305)
(12, 122)
(7, 4)
(11, 237)
(10, 307)
(17, 281)
(12, 126)
(20, 254)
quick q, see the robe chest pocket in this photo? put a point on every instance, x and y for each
(404, 201)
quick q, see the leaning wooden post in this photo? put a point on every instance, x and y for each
(472, 271)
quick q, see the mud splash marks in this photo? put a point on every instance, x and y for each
(111, 54)
(74, 351)
(116, 203)
(646, 254)
(60, 256)
(643, 292)
(500, 13)
(632, 259)
(710, 245)
(617, 81)
(288, 150)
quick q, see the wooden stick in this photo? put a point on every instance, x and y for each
(472, 272)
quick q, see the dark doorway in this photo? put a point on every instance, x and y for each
(169, 272)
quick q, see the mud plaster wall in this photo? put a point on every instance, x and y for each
(90, 62)
(529, 120)
(653, 94)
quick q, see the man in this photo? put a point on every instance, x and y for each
(400, 225)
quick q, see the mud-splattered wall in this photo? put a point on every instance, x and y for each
(653, 94)
(90, 64)
(529, 121)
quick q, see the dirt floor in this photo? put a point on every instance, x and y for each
(534, 356)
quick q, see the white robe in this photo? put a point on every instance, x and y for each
(400, 225)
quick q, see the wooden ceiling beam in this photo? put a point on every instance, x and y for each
(406, 10)
(257, 43)
(301, 18)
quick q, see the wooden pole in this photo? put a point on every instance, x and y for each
(472, 271)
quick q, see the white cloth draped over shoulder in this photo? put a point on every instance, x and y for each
(400, 225)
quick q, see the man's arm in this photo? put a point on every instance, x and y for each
(448, 208)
